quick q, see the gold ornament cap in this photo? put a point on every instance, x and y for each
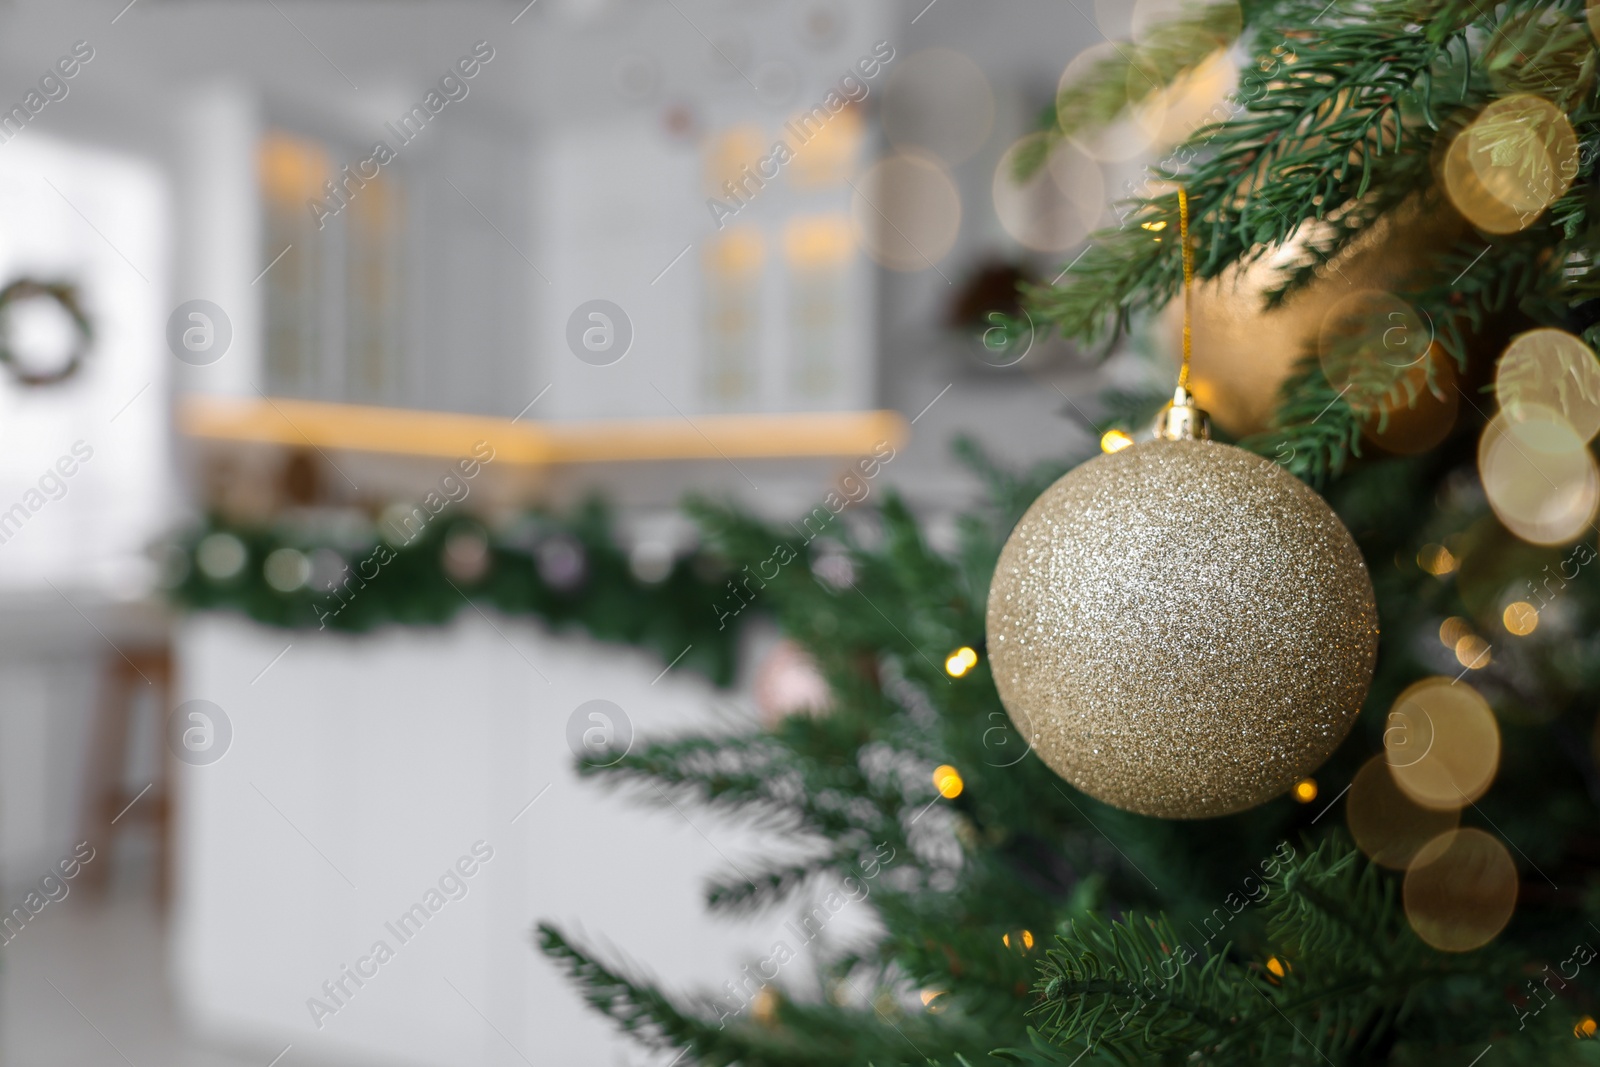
(1181, 420)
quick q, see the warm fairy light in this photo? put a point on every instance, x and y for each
(1060, 203)
(1538, 474)
(1585, 1027)
(947, 780)
(1442, 743)
(907, 212)
(1452, 630)
(1521, 619)
(1114, 441)
(1373, 348)
(1472, 652)
(931, 1001)
(1502, 184)
(1437, 560)
(1158, 225)
(1129, 137)
(1305, 790)
(1278, 967)
(1555, 370)
(1460, 890)
(765, 1006)
(1386, 823)
(960, 662)
(1025, 939)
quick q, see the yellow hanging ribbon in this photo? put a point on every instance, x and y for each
(1188, 285)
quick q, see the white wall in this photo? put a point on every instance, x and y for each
(98, 220)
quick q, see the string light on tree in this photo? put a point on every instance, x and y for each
(947, 780)
(1114, 441)
(1305, 790)
(959, 662)
(1182, 628)
(1019, 941)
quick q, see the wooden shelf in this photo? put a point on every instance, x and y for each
(397, 431)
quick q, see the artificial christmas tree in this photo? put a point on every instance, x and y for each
(1023, 920)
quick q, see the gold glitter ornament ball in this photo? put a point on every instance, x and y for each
(1182, 628)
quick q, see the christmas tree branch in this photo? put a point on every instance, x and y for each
(1314, 121)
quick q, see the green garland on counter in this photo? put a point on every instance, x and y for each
(342, 571)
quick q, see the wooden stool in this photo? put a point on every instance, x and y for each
(110, 807)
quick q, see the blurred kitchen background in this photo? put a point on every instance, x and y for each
(224, 347)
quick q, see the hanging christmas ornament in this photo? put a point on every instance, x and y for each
(1180, 627)
(1245, 350)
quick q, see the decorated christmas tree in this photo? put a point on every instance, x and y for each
(1279, 833)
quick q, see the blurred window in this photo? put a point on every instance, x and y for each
(333, 294)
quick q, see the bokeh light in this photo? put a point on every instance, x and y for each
(1524, 151)
(1473, 652)
(818, 242)
(1057, 206)
(1385, 823)
(1437, 560)
(1426, 404)
(1151, 15)
(1305, 790)
(1442, 743)
(731, 152)
(1551, 369)
(959, 662)
(1193, 99)
(1520, 618)
(1373, 347)
(1114, 441)
(938, 101)
(764, 1006)
(1539, 476)
(1460, 890)
(221, 556)
(1127, 137)
(1510, 163)
(736, 253)
(1019, 941)
(828, 157)
(907, 212)
(286, 569)
(947, 780)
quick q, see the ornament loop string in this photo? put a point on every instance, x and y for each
(1182, 420)
(1188, 285)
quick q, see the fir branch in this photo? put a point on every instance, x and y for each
(1306, 143)
(1349, 967)
(1317, 431)
(1131, 75)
